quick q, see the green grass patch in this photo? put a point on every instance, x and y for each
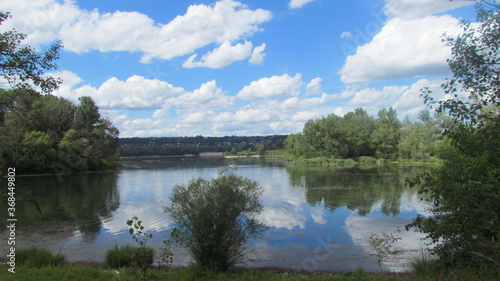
(127, 256)
(323, 161)
(423, 271)
(431, 269)
(366, 159)
(37, 257)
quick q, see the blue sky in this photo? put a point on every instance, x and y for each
(227, 67)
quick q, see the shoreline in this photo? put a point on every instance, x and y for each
(339, 162)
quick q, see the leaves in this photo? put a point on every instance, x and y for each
(140, 236)
(214, 219)
(38, 132)
(22, 67)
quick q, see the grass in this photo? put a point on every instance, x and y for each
(323, 161)
(127, 255)
(77, 272)
(35, 257)
(423, 270)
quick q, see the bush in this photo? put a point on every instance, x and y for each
(214, 219)
(127, 256)
(35, 257)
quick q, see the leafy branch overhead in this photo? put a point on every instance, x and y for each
(475, 63)
(22, 66)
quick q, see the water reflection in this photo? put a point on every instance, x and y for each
(69, 204)
(318, 216)
(357, 188)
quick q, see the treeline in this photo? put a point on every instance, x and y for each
(357, 134)
(44, 133)
(170, 146)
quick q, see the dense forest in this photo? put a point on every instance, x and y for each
(357, 134)
(168, 146)
(44, 133)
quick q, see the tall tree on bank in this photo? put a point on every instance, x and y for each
(465, 190)
(40, 132)
(388, 133)
(44, 133)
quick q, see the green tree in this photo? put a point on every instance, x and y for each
(425, 139)
(336, 133)
(360, 126)
(215, 218)
(24, 68)
(465, 190)
(388, 134)
(261, 148)
(38, 151)
(39, 134)
(475, 65)
(295, 145)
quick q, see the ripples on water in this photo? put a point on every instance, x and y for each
(320, 217)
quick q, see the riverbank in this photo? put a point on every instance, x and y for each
(98, 272)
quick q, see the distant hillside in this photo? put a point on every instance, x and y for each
(165, 146)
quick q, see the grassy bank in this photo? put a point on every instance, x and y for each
(360, 161)
(87, 272)
(41, 264)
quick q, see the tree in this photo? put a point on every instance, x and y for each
(465, 190)
(22, 67)
(424, 139)
(387, 135)
(39, 133)
(475, 63)
(214, 219)
(359, 126)
(261, 148)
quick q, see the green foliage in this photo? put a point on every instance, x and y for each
(382, 245)
(465, 193)
(261, 149)
(166, 254)
(357, 134)
(474, 62)
(33, 126)
(434, 270)
(425, 139)
(128, 256)
(465, 190)
(137, 231)
(85, 272)
(42, 134)
(387, 135)
(216, 218)
(21, 66)
(36, 257)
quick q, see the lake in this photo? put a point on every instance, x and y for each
(320, 218)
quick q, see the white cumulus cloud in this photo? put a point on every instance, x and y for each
(314, 87)
(258, 54)
(136, 92)
(222, 56)
(272, 87)
(402, 49)
(413, 9)
(82, 31)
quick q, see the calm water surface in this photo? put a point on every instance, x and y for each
(320, 218)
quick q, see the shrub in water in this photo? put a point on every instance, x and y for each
(127, 256)
(35, 257)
